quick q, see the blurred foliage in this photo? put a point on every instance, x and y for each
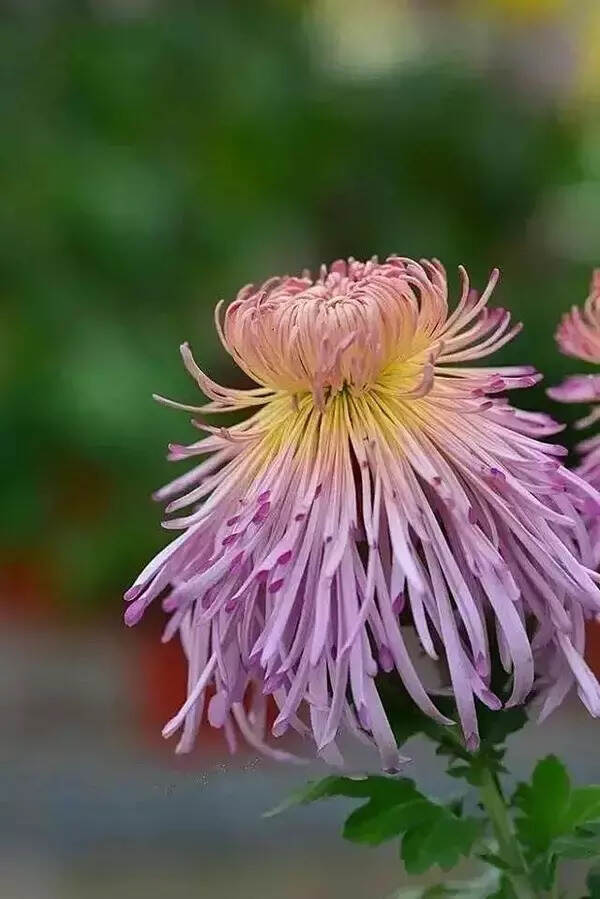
(155, 157)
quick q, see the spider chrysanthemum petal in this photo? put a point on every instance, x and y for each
(379, 479)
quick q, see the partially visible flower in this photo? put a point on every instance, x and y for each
(379, 480)
(578, 335)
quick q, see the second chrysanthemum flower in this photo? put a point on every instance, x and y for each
(578, 335)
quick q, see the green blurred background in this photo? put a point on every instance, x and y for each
(154, 157)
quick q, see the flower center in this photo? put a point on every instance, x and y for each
(358, 324)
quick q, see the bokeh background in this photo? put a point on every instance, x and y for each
(154, 156)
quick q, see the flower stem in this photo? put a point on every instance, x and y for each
(510, 850)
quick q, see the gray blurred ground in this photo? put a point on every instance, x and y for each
(87, 810)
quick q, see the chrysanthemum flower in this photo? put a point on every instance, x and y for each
(578, 335)
(379, 479)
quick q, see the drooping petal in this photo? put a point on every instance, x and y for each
(380, 483)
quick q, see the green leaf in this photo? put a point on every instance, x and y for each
(373, 787)
(544, 804)
(583, 807)
(375, 822)
(553, 818)
(556, 821)
(441, 841)
(593, 882)
(577, 846)
(432, 833)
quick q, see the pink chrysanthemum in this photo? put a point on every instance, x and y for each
(379, 479)
(578, 335)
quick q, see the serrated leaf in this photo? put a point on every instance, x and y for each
(552, 817)
(544, 804)
(576, 846)
(394, 807)
(375, 822)
(372, 787)
(441, 841)
(583, 807)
